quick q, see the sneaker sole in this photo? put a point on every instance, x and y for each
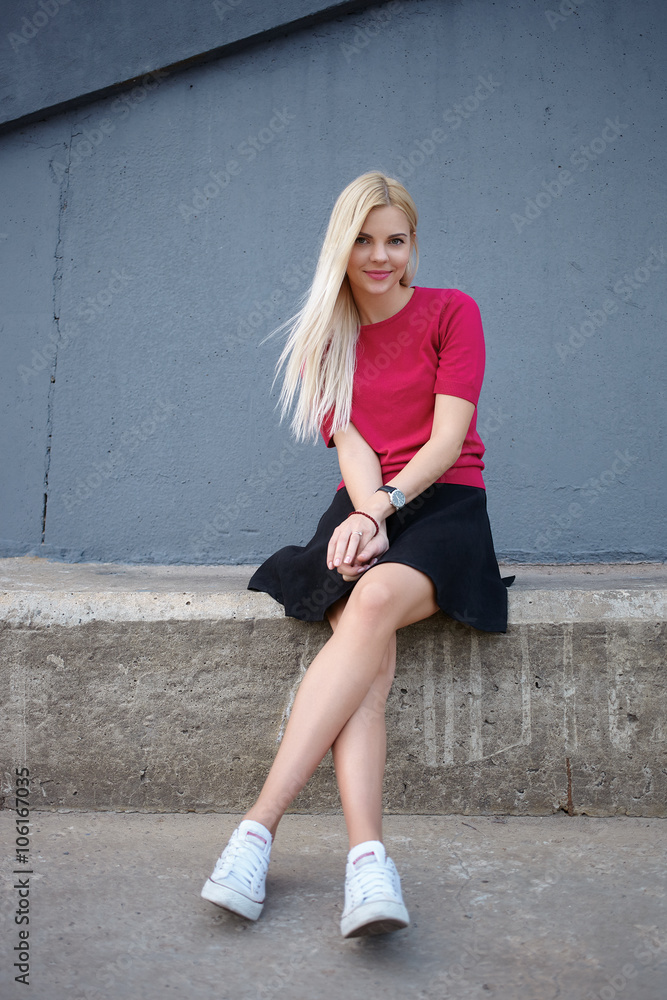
(375, 918)
(229, 899)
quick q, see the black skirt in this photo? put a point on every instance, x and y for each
(444, 532)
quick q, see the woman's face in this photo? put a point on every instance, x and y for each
(381, 251)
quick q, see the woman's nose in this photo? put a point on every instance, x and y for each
(378, 252)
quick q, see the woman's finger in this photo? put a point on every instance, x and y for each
(346, 571)
(345, 547)
(338, 545)
(331, 548)
(353, 546)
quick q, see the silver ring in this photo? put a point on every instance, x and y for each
(358, 533)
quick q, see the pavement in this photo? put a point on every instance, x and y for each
(504, 907)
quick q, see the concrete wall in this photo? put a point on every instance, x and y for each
(151, 238)
(57, 53)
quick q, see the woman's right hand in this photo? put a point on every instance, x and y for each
(354, 546)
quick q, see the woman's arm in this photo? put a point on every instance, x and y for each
(359, 465)
(451, 420)
(358, 461)
(361, 470)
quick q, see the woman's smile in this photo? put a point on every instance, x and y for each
(378, 261)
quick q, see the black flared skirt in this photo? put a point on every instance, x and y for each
(444, 532)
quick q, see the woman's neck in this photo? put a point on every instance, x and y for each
(375, 309)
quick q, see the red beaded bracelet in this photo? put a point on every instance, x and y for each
(377, 526)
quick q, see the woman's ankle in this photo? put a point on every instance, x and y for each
(259, 816)
(364, 834)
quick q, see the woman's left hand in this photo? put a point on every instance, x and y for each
(354, 546)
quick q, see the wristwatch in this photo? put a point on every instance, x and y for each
(396, 498)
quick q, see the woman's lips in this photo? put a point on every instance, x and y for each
(378, 275)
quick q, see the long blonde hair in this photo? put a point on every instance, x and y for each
(320, 351)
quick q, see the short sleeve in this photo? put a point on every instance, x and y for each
(461, 351)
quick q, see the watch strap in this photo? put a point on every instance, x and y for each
(390, 490)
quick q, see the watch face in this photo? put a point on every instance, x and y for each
(397, 498)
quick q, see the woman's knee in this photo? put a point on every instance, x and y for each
(372, 599)
(390, 596)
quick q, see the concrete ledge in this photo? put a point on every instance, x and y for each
(40, 592)
(121, 694)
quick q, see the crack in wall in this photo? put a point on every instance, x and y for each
(57, 283)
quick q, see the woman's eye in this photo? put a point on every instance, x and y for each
(394, 240)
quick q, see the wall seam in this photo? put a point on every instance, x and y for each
(57, 290)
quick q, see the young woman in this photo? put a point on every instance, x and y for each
(390, 375)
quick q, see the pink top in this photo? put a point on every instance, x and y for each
(434, 344)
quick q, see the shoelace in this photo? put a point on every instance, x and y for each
(371, 879)
(245, 858)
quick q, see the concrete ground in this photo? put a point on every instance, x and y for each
(504, 907)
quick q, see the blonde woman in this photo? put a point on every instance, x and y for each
(390, 374)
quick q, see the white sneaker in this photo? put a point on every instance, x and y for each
(239, 876)
(373, 900)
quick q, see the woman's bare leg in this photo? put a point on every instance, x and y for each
(387, 597)
(360, 750)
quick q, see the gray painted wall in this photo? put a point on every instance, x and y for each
(148, 248)
(56, 53)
